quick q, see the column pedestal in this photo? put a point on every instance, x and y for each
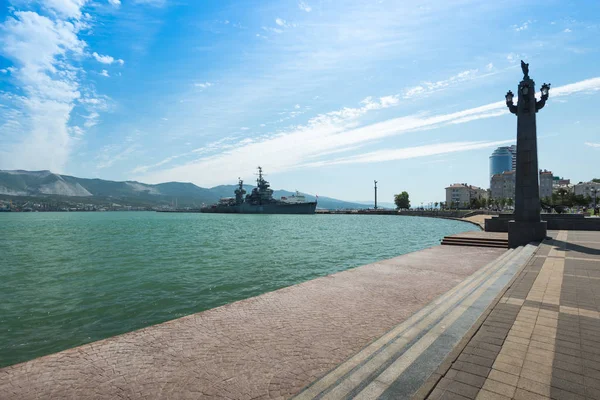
(521, 233)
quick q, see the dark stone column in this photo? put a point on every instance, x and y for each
(527, 226)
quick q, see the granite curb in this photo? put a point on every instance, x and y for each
(429, 385)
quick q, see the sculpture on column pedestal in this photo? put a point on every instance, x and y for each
(527, 226)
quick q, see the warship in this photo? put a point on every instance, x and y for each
(260, 201)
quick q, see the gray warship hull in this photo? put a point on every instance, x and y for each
(270, 208)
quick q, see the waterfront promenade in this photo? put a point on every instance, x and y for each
(267, 347)
(542, 339)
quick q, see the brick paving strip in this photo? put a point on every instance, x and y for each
(267, 347)
(542, 339)
(397, 364)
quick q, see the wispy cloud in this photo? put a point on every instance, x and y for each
(427, 87)
(522, 27)
(104, 73)
(203, 85)
(592, 144)
(103, 59)
(411, 152)
(338, 132)
(304, 7)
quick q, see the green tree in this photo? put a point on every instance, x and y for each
(402, 201)
(502, 203)
(597, 180)
(563, 196)
(435, 204)
(509, 202)
(484, 202)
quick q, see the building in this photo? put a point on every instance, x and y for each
(501, 160)
(513, 151)
(502, 186)
(460, 195)
(587, 189)
(546, 184)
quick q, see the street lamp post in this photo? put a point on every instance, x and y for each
(527, 225)
(375, 194)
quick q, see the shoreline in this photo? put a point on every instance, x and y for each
(310, 319)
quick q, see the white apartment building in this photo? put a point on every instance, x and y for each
(461, 194)
(587, 189)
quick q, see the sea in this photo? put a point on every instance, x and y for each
(74, 277)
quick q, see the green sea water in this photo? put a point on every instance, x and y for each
(71, 278)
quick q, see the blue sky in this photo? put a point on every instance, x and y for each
(325, 95)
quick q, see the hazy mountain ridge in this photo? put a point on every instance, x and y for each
(44, 184)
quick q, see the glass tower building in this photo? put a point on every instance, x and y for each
(501, 160)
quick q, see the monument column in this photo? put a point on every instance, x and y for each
(527, 225)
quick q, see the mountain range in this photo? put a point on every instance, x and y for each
(47, 185)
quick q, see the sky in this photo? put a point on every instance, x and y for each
(325, 95)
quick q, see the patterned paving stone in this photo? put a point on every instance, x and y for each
(552, 349)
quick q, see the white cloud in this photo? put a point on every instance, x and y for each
(40, 48)
(512, 57)
(334, 133)
(304, 7)
(262, 125)
(111, 154)
(152, 3)
(489, 67)
(431, 87)
(297, 106)
(269, 29)
(91, 120)
(104, 73)
(203, 85)
(567, 30)
(103, 59)
(65, 8)
(115, 3)
(411, 152)
(597, 145)
(523, 26)
(280, 22)
(244, 128)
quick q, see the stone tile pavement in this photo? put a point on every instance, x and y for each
(542, 339)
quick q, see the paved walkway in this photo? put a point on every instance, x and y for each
(398, 363)
(542, 339)
(266, 347)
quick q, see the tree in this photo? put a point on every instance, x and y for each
(596, 180)
(435, 204)
(402, 201)
(502, 203)
(484, 202)
(509, 202)
(563, 195)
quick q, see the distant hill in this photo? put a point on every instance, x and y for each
(48, 185)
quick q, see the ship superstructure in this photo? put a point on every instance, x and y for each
(260, 201)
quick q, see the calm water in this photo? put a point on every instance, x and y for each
(72, 278)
